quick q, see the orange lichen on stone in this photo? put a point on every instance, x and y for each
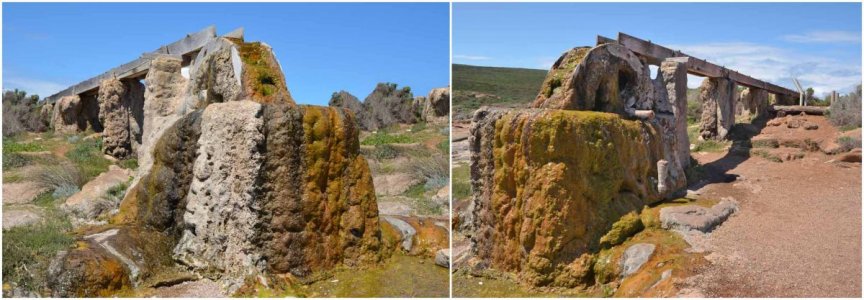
(262, 77)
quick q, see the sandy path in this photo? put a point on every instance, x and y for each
(798, 233)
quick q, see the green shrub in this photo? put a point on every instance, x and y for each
(848, 143)
(87, 155)
(434, 170)
(382, 138)
(846, 111)
(59, 177)
(418, 127)
(385, 151)
(129, 163)
(444, 146)
(11, 146)
(27, 250)
(15, 160)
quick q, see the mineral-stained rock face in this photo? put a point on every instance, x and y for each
(604, 78)
(549, 183)
(718, 107)
(67, 115)
(121, 115)
(559, 179)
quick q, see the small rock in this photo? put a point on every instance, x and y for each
(852, 156)
(634, 257)
(442, 258)
(405, 229)
(775, 122)
(810, 126)
(90, 202)
(794, 123)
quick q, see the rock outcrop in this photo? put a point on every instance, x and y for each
(93, 199)
(238, 180)
(388, 105)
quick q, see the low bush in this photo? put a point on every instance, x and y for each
(846, 111)
(62, 178)
(848, 143)
(433, 170)
(87, 155)
(461, 182)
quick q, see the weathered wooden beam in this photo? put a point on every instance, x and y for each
(139, 66)
(655, 54)
(812, 110)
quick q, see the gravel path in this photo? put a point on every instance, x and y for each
(798, 233)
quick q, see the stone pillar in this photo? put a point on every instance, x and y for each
(122, 132)
(718, 108)
(757, 101)
(674, 75)
(66, 117)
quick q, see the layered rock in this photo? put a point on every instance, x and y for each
(121, 114)
(718, 96)
(388, 105)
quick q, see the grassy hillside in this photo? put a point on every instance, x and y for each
(475, 86)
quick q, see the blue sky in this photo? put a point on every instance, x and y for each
(322, 48)
(819, 43)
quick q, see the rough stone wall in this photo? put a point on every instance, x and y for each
(67, 115)
(559, 180)
(718, 96)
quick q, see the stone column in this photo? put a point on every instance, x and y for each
(674, 74)
(122, 132)
(757, 101)
(718, 108)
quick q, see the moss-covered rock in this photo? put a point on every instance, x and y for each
(559, 180)
(626, 227)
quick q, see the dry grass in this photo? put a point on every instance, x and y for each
(59, 176)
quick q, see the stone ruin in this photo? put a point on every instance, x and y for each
(237, 182)
(602, 140)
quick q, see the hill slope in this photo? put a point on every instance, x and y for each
(475, 86)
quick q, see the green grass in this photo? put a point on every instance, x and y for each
(12, 146)
(444, 146)
(461, 182)
(766, 155)
(27, 250)
(382, 138)
(87, 155)
(510, 85)
(129, 163)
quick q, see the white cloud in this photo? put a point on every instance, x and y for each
(824, 37)
(471, 57)
(33, 86)
(778, 66)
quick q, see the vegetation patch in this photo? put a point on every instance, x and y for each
(87, 155)
(381, 138)
(461, 182)
(27, 250)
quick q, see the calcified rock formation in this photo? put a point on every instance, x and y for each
(718, 96)
(238, 180)
(65, 118)
(603, 140)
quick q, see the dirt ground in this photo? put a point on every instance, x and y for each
(798, 230)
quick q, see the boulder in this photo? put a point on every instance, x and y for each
(406, 232)
(93, 200)
(852, 157)
(343, 99)
(810, 126)
(66, 117)
(388, 105)
(634, 257)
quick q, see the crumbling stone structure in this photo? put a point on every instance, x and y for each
(718, 96)
(236, 180)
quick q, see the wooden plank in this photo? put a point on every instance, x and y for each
(139, 66)
(813, 110)
(655, 54)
